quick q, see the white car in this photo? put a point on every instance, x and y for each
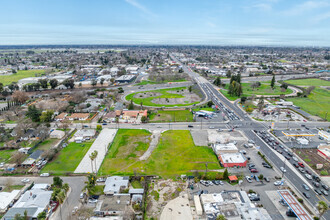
(283, 169)
(75, 209)
(44, 174)
(248, 179)
(25, 180)
(277, 183)
(295, 158)
(308, 176)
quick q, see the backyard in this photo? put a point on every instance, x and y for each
(318, 102)
(171, 116)
(21, 74)
(5, 155)
(264, 89)
(68, 158)
(165, 97)
(47, 144)
(174, 155)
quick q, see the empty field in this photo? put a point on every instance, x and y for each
(309, 82)
(68, 158)
(21, 74)
(5, 155)
(174, 155)
(172, 116)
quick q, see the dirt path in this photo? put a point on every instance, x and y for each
(153, 144)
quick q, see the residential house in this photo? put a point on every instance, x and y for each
(78, 116)
(114, 184)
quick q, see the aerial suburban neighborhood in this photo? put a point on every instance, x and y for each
(165, 110)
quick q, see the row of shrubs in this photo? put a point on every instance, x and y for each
(264, 158)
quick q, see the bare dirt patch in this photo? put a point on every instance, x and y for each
(311, 157)
(188, 98)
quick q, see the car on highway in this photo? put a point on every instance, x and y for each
(316, 184)
(318, 191)
(190, 126)
(301, 164)
(302, 170)
(290, 154)
(324, 192)
(309, 172)
(211, 127)
(307, 195)
(44, 174)
(305, 187)
(283, 169)
(308, 176)
(287, 157)
(325, 186)
(296, 165)
(295, 159)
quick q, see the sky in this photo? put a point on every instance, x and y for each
(166, 22)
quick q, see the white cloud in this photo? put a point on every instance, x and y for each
(321, 17)
(305, 7)
(211, 24)
(142, 8)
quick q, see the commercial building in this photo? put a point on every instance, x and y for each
(232, 160)
(324, 151)
(125, 79)
(224, 148)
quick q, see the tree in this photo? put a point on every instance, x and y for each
(284, 85)
(322, 207)
(53, 83)
(131, 105)
(60, 199)
(120, 90)
(102, 81)
(1, 87)
(20, 96)
(217, 81)
(33, 113)
(225, 174)
(95, 156)
(210, 103)
(144, 119)
(221, 217)
(94, 82)
(41, 216)
(46, 116)
(18, 158)
(65, 187)
(57, 182)
(43, 83)
(243, 100)
(228, 74)
(261, 103)
(13, 86)
(272, 83)
(190, 88)
(69, 83)
(91, 157)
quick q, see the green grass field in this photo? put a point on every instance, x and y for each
(47, 144)
(264, 89)
(171, 116)
(164, 94)
(124, 152)
(174, 155)
(68, 158)
(5, 155)
(318, 102)
(21, 74)
(308, 82)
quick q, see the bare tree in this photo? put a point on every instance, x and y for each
(20, 96)
(18, 158)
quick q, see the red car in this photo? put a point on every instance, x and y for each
(301, 164)
(254, 171)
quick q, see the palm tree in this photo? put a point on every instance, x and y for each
(95, 156)
(322, 207)
(65, 187)
(91, 156)
(60, 199)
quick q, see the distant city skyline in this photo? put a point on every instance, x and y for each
(183, 22)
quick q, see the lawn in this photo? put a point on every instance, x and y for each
(125, 150)
(171, 116)
(174, 155)
(264, 89)
(68, 158)
(5, 155)
(21, 74)
(318, 102)
(164, 94)
(13, 187)
(47, 144)
(308, 82)
(97, 190)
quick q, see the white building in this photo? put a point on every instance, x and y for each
(114, 184)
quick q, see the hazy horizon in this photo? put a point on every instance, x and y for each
(276, 23)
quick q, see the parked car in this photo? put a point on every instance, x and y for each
(302, 170)
(254, 171)
(318, 191)
(301, 164)
(190, 126)
(248, 179)
(325, 186)
(277, 183)
(44, 174)
(324, 192)
(316, 184)
(25, 180)
(295, 159)
(296, 165)
(101, 179)
(307, 195)
(283, 169)
(266, 179)
(308, 176)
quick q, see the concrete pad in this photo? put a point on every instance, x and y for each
(177, 209)
(200, 137)
(100, 145)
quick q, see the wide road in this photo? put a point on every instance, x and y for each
(250, 125)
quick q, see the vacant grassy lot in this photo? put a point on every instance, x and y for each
(68, 158)
(318, 102)
(309, 82)
(5, 155)
(124, 153)
(163, 94)
(173, 116)
(12, 187)
(174, 155)
(47, 144)
(21, 74)
(264, 89)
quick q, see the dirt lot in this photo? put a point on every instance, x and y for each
(143, 95)
(311, 157)
(160, 193)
